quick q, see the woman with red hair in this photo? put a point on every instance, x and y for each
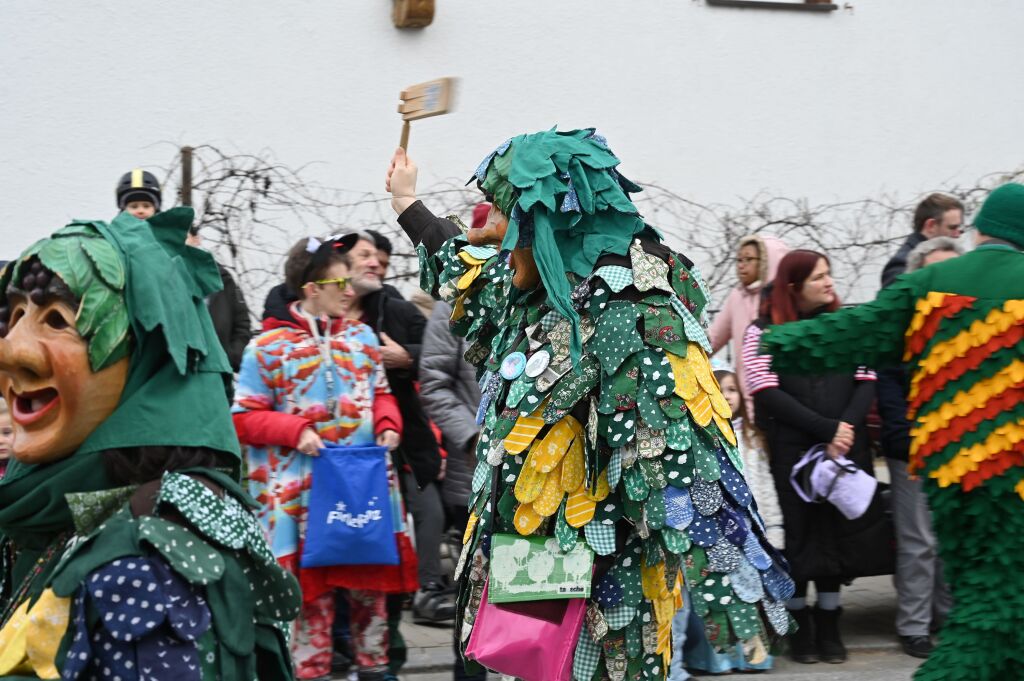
(795, 413)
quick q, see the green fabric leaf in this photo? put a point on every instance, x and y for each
(106, 262)
(109, 341)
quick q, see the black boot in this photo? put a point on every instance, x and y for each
(830, 645)
(801, 642)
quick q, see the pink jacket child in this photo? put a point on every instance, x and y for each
(757, 258)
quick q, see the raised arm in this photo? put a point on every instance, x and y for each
(419, 224)
(866, 335)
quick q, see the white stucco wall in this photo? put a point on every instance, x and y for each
(899, 96)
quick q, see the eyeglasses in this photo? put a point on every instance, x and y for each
(342, 282)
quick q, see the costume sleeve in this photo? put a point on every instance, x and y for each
(721, 329)
(870, 334)
(255, 420)
(424, 227)
(770, 401)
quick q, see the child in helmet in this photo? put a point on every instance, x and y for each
(138, 193)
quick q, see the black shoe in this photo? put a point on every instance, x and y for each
(801, 642)
(830, 645)
(433, 604)
(917, 646)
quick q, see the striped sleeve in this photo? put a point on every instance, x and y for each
(757, 367)
(864, 374)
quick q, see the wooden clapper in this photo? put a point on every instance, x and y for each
(433, 98)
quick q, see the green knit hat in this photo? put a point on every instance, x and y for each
(1002, 214)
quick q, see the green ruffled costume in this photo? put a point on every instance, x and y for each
(142, 291)
(616, 435)
(959, 327)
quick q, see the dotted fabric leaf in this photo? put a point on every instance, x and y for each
(733, 482)
(724, 556)
(649, 407)
(548, 454)
(706, 496)
(616, 336)
(188, 555)
(532, 404)
(620, 427)
(703, 531)
(531, 479)
(704, 458)
(716, 592)
(634, 639)
(777, 583)
(655, 509)
(573, 466)
(745, 621)
(778, 616)
(678, 467)
(657, 373)
(615, 468)
(733, 525)
(609, 510)
(618, 391)
(608, 591)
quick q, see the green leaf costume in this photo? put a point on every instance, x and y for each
(616, 433)
(65, 524)
(958, 327)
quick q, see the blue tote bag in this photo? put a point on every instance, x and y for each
(350, 519)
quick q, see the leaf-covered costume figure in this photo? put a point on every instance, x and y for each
(135, 554)
(958, 326)
(615, 433)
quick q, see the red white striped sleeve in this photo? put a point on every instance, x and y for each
(757, 367)
(864, 374)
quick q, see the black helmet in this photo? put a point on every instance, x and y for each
(138, 185)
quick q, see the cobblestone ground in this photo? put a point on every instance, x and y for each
(869, 608)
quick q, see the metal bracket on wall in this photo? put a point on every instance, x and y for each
(768, 4)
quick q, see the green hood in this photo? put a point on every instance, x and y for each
(565, 199)
(142, 291)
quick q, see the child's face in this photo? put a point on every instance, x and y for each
(142, 210)
(6, 436)
(731, 391)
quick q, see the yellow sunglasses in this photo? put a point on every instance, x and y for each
(342, 282)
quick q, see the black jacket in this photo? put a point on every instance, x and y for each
(802, 412)
(387, 311)
(230, 318)
(897, 264)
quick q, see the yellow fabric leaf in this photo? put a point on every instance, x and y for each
(726, 429)
(459, 308)
(700, 409)
(665, 641)
(549, 499)
(14, 643)
(573, 468)
(664, 609)
(719, 404)
(470, 260)
(531, 480)
(701, 368)
(48, 621)
(686, 381)
(652, 579)
(470, 525)
(579, 509)
(468, 278)
(523, 433)
(527, 520)
(554, 446)
(602, 490)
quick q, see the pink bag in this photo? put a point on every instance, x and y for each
(533, 640)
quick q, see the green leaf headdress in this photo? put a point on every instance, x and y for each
(565, 199)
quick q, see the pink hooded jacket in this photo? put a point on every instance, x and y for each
(740, 308)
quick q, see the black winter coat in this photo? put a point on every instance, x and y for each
(230, 317)
(802, 412)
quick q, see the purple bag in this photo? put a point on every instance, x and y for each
(818, 478)
(532, 640)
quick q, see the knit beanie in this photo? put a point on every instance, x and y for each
(1002, 214)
